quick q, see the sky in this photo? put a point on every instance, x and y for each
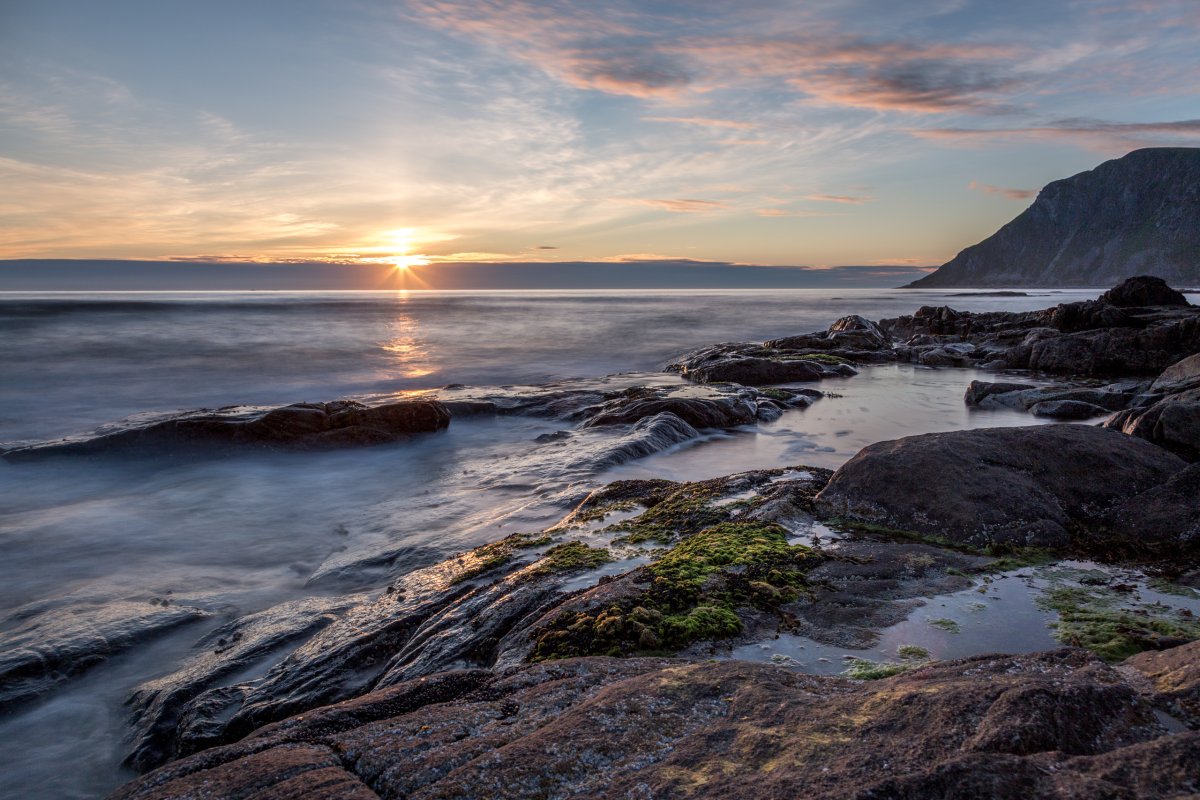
(416, 132)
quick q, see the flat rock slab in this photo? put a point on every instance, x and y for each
(303, 426)
(1058, 725)
(1034, 486)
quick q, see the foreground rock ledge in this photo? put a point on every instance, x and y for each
(1057, 724)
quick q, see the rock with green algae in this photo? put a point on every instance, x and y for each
(691, 593)
(1050, 725)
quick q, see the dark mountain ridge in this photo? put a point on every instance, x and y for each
(1135, 215)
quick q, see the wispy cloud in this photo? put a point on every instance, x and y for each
(1011, 194)
(1098, 134)
(839, 198)
(680, 206)
(706, 122)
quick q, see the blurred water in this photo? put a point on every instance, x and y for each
(71, 362)
(239, 534)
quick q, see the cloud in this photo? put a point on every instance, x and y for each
(1011, 194)
(546, 247)
(706, 122)
(1097, 134)
(783, 212)
(839, 198)
(640, 54)
(680, 206)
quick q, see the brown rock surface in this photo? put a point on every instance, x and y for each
(1056, 724)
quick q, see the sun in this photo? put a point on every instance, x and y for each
(405, 262)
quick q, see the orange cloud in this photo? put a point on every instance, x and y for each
(839, 198)
(680, 206)
(1011, 194)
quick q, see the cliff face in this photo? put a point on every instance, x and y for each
(1136, 215)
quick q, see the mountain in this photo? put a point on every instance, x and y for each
(1135, 215)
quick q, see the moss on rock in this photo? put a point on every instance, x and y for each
(691, 594)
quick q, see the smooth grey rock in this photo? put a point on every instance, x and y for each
(1066, 409)
(1038, 486)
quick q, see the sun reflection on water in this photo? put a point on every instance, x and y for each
(409, 357)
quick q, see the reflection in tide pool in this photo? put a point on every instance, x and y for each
(880, 403)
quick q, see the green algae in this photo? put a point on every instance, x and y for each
(820, 358)
(1097, 619)
(861, 669)
(912, 652)
(692, 593)
(1167, 587)
(947, 625)
(684, 511)
(570, 557)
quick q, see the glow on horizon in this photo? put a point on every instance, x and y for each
(426, 131)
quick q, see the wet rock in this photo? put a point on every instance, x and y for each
(978, 391)
(51, 641)
(156, 706)
(1066, 409)
(647, 436)
(304, 426)
(808, 357)
(1038, 725)
(713, 412)
(755, 371)
(1013, 486)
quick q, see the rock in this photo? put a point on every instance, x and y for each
(156, 706)
(1067, 409)
(1183, 374)
(1133, 215)
(51, 641)
(343, 423)
(647, 436)
(978, 391)
(716, 412)
(1168, 514)
(1092, 337)
(1173, 422)
(1053, 725)
(996, 486)
(1175, 680)
(755, 371)
(1141, 291)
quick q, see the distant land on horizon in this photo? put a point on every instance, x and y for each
(38, 275)
(1134, 215)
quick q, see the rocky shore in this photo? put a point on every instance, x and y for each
(601, 655)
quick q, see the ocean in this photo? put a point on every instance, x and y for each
(243, 532)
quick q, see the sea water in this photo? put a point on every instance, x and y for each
(243, 532)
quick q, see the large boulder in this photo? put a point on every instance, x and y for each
(1039, 486)
(1141, 291)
